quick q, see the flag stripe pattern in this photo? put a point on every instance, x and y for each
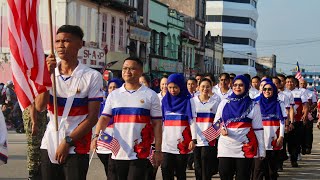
(213, 132)
(107, 141)
(298, 74)
(30, 74)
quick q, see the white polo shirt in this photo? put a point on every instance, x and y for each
(300, 98)
(132, 113)
(253, 92)
(223, 95)
(205, 116)
(89, 89)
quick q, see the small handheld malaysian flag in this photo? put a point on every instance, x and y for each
(107, 141)
(213, 132)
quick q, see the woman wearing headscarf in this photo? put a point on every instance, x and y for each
(103, 153)
(273, 116)
(241, 137)
(179, 136)
(205, 152)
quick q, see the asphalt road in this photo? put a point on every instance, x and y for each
(16, 169)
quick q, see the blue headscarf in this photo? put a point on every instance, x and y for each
(270, 107)
(267, 80)
(238, 104)
(117, 81)
(179, 103)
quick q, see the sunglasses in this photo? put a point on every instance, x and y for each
(267, 89)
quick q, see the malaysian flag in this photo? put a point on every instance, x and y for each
(151, 156)
(213, 132)
(298, 74)
(107, 141)
(29, 70)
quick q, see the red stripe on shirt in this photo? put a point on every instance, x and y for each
(271, 123)
(204, 119)
(131, 119)
(239, 125)
(176, 123)
(74, 111)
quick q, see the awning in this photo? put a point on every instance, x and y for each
(115, 60)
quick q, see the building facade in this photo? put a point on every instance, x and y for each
(113, 30)
(235, 21)
(194, 34)
(166, 25)
(266, 65)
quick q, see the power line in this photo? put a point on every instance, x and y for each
(278, 62)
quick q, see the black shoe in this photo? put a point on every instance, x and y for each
(294, 164)
(308, 151)
(190, 168)
(303, 152)
(280, 168)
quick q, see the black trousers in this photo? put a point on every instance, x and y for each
(75, 167)
(174, 163)
(205, 162)
(104, 158)
(308, 136)
(128, 169)
(241, 167)
(151, 172)
(267, 167)
(295, 140)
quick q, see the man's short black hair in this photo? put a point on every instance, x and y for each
(136, 59)
(232, 75)
(256, 77)
(199, 74)
(146, 77)
(281, 75)
(192, 79)
(276, 78)
(211, 76)
(247, 76)
(226, 75)
(74, 30)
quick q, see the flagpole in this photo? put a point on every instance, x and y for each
(53, 75)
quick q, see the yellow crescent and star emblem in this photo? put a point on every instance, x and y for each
(142, 101)
(78, 91)
(105, 138)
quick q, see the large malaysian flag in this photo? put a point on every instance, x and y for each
(29, 70)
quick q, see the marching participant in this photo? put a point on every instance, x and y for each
(163, 88)
(301, 108)
(223, 91)
(242, 132)
(79, 96)
(205, 152)
(179, 133)
(136, 115)
(273, 117)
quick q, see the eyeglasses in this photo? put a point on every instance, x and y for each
(237, 85)
(267, 89)
(128, 69)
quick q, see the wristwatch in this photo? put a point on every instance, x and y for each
(69, 140)
(194, 141)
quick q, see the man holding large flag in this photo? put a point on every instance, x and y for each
(78, 97)
(30, 74)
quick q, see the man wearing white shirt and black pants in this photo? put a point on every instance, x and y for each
(78, 92)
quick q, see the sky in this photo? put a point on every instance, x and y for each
(290, 29)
